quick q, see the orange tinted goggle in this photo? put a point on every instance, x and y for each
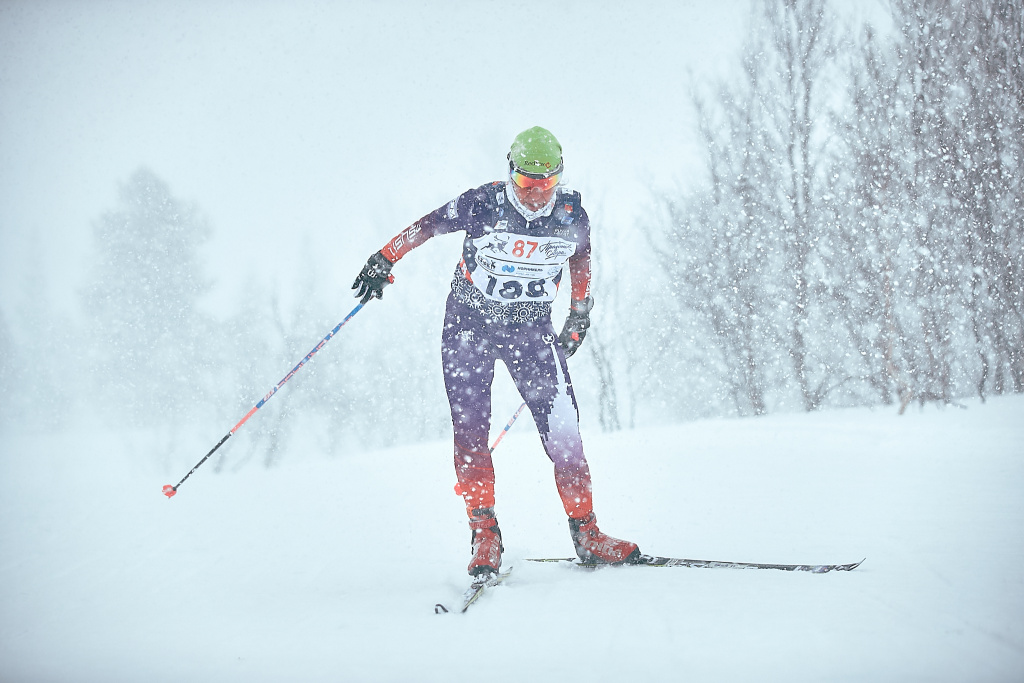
(528, 180)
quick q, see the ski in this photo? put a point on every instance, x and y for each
(475, 590)
(650, 561)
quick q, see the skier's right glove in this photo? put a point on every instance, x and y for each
(576, 325)
(373, 278)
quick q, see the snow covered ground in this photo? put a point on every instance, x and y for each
(328, 569)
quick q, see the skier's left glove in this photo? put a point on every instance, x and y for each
(373, 278)
(575, 329)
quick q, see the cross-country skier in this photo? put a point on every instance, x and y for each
(520, 233)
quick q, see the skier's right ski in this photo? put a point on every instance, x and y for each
(475, 590)
(649, 561)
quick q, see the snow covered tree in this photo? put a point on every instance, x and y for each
(980, 54)
(878, 211)
(935, 167)
(868, 236)
(743, 252)
(792, 88)
(141, 304)
(35, 346)
(718, 248)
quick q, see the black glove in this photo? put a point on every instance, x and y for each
(575, 329)
(373, 278)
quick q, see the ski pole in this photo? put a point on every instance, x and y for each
(508, 426)
(169, 490)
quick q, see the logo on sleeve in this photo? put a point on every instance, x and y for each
(453, 209)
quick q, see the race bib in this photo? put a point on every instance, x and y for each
(511, 267)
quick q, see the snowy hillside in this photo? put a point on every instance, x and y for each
(328, 569)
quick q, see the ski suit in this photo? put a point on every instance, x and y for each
(500, 309)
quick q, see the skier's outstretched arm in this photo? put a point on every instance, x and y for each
(376, 274)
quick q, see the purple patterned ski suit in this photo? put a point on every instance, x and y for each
(500, 309)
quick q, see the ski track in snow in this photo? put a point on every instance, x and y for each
(328, 569)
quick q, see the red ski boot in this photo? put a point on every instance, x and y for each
(595, 547)
(486, 542)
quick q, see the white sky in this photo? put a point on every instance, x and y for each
(327, 124)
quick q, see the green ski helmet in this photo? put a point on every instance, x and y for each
(535, 151)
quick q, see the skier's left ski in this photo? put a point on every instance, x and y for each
(475, 590)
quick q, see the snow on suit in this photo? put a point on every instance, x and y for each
(500, 308)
